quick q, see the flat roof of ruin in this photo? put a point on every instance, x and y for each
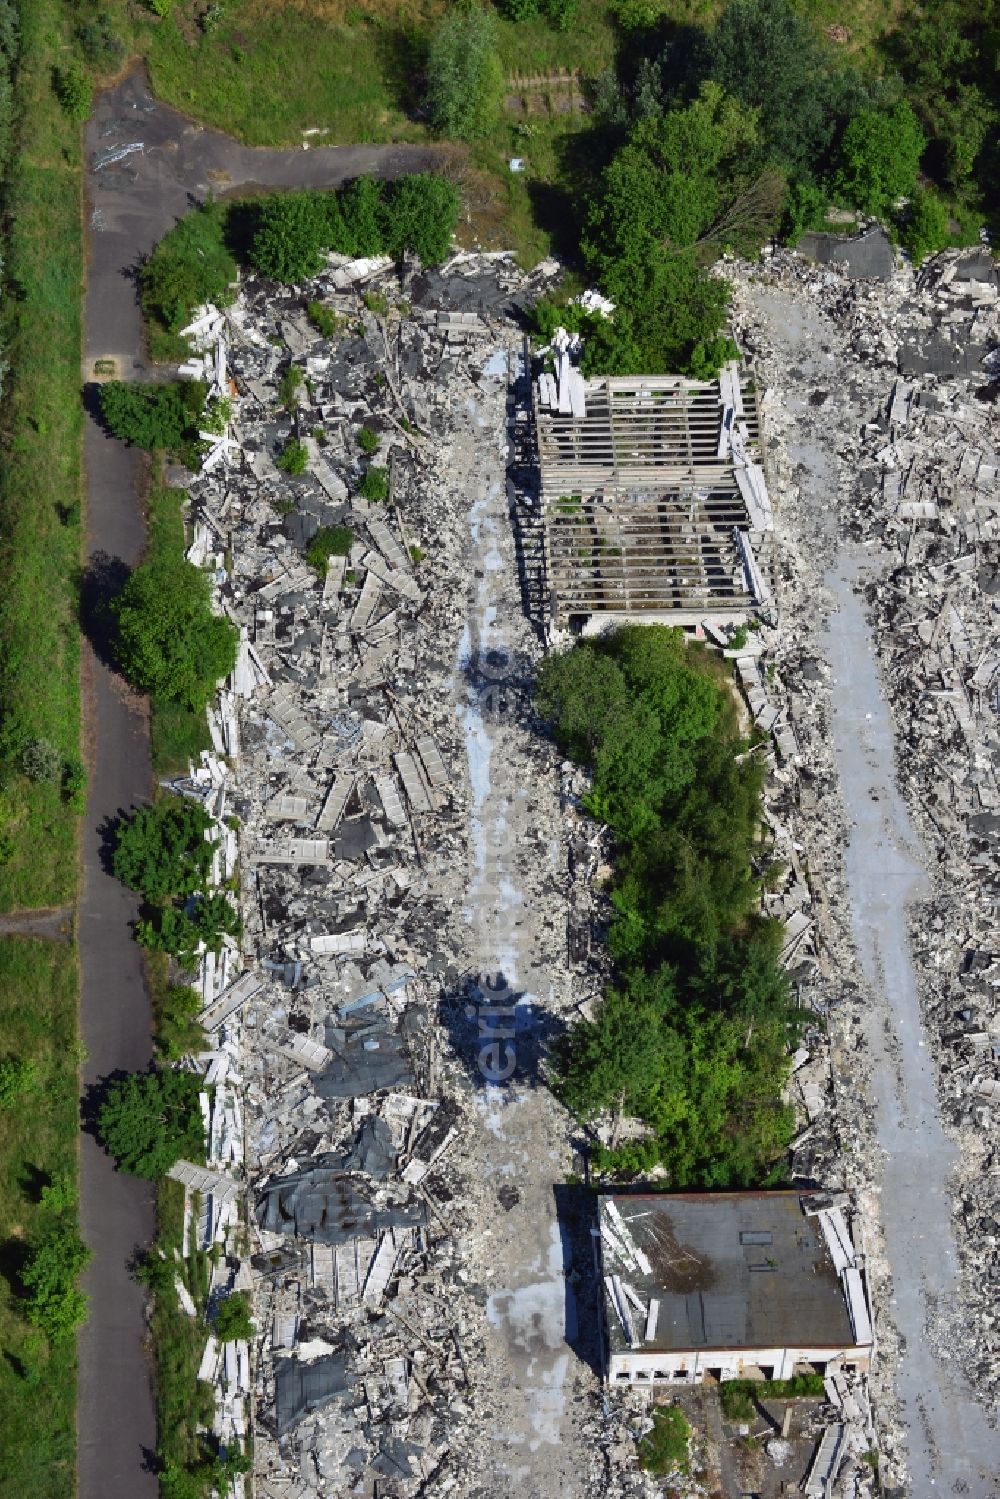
(730, 1271)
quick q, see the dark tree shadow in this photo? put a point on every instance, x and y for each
(502, 1037)
(101, 582)
(401, 52)
(93, 1099)
(33, 1181)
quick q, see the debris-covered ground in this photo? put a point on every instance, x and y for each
(419, 891)
(881, 420)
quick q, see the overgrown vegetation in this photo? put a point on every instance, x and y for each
(190, 1463)
(155, 416)
(233, 1320)
(375, 485)
(329, 541)
(665, 1448)
(190, 265)
(149, 1120)
(38, 1163)
(693, 1035)
(292, 232)
(738, 1397)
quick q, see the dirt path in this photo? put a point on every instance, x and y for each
(148, 166)
(55, 923)
(534, 1374)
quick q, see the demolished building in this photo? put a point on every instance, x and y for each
(653, 498)
(729, 1285)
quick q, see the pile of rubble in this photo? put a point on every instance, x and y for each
(914, 486)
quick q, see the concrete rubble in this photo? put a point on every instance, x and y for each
(914, 488)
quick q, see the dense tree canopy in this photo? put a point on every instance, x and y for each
(162, 850)
(693, 1036)
(170, 643)
(153, 416)
(149, 1120)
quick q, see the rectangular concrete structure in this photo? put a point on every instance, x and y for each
(726, 1284)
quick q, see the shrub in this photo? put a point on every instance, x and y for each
(169, 641)
(329, 541)
(73, 90)
(288, 387)
(293, 230)
(42, 761)
(161, 851)
(322, 318)
(465, 81)
(54, 1303)
(99, 42)
(375, 485)
(17, 1077)
(232, 1320)
(420, 214)
(368, 440)
(177, 1030)
(154, 416)
(926, 230)
(74, 785)
(189, 266)
(149, 1120)
(294, 458)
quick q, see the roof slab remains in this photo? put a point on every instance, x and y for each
(650, 494)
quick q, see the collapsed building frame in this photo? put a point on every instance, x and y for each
(652, 503)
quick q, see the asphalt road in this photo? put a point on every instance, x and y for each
(130, 204)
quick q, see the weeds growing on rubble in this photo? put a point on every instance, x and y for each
(693, 1036)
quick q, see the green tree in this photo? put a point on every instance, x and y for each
(361, 212)
(293, 231)
(232, 1320)
(179, 930)
(879, 158)
(925, 230)
(154, 416)
(946, 54)
(162, 850)
(769, 56)
(420, 214)
(54, 1302)
(191, 265)
(150, 1120)
(464, 93)
(170, 643)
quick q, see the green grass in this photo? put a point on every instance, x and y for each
(177, 734)
(40, 477)
(38, 1139)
